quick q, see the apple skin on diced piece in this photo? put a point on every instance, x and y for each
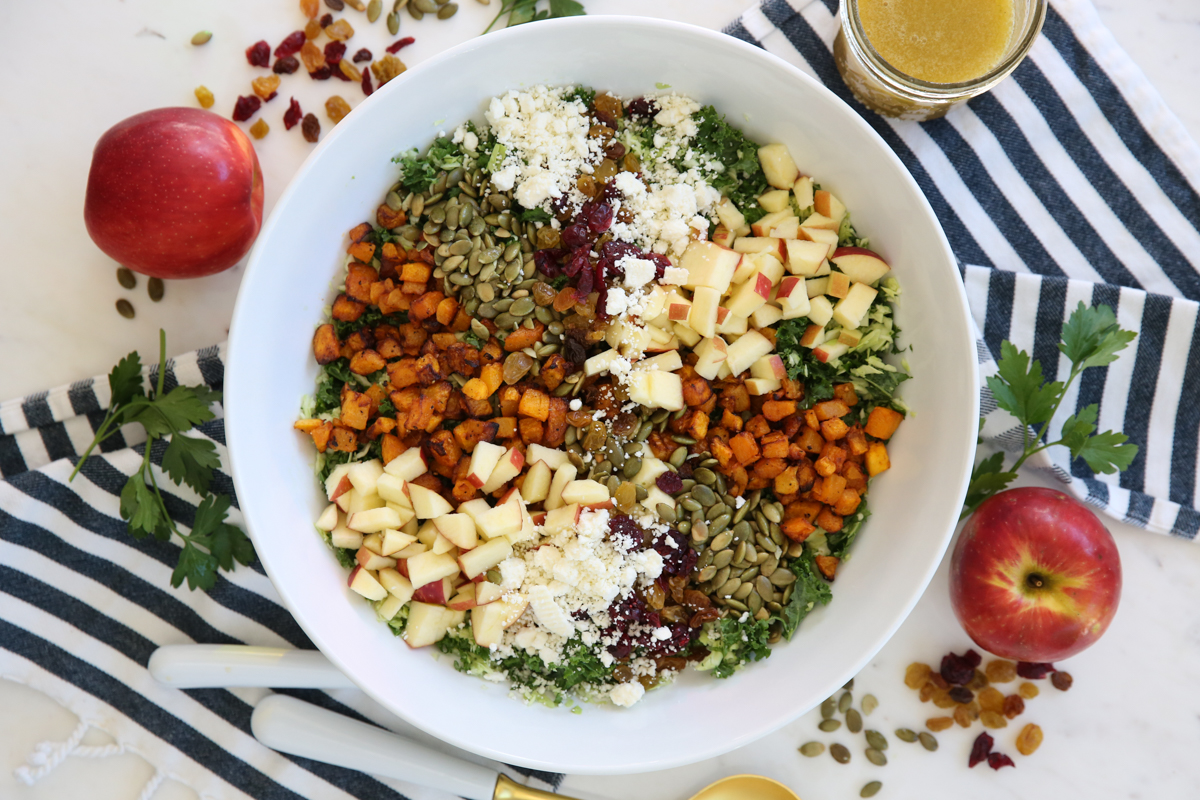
(429, 566)
(463, 599)
(427, 503)
(813, 336)
(585, 492)
(394, 490)
(372, 561)
(802, 190)
(408, 466)
(427, 624)
(458, 529)
(862, 265)
(830, 351)
(732, 326)
(677, 307)
(820, 310)
(537, 483)
(484, 459)
(805, 257)
(761, 386)
(849, 312)
(723, 236)
(553, 458)
(703, 316)
(769, 367)
(774, 200)
(746, 350)
(778, 166)
(364, 474)
(562, 518)
(839, 285)
(435, 593)
(488, 622)
(509, 467)
(487, 555)
(826, 204)
(729, 215)
(393, 541)
(709, 265)
(562, 476)
(750, 296)
(500, 521)
(364, 583)
(328, 519)
(710, 354)
(338, 482)
(793, 297)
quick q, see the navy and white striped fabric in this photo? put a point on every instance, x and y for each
(1069, 182)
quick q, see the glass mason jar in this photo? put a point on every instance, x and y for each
(884, 89)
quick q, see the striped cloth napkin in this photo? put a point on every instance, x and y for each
(1071, 181)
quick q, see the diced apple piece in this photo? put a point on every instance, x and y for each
(396, 584)
(363, 475)
(463, 599)
(830, 350)
(703, 316)
(393, 541)
(839, 285)
(352, 502)
(849, 313)
(509, 467)
(814, 335)
(458, 529)
(774, 200)
(655, 496)
(829, 238)
(660, 341)
(778, 166)
(665, 362)
(746, 350)
(770, 367)
(427, 534)
(651, 469)
(863, 266)
(488, 622)
(428, 504)
(436, 593)
(678, 307)
(473, 508)
(528, 531)
(817, 287)
(723, 236)
(500, 521)
(343, 537)
(372, 561)
(627, 337)
(487, 555)
(393, 490)
(389, 608)
(429, 566)
(487, 592)
(709, 265)
(750, 296)
(338, 482)
(761, 386)
(585, 492)
(820, 311)
(408, 466)
(732, 326)
(373, 521)
(656, 390)
(363, 582)
(686, 335)
(786, 229)
(600, 362)
(710, 353)
(374, 543)
(484, 459)
(414, 549)
(802, 190)
(562, 518)
(724, 372)
(850, 336)
(729, 215)
(761, 244)
(818, 221)
(328, 519)
(825, 203)
(793, 297)
(562, 476)
(553, 458)
(769, 265)
(537, 483)
(805, 257)
(427, 624)
(766, 316)
(764, 226)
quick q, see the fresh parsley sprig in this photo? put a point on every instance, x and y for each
(521, 11)
(213, 543)
(1091, 337)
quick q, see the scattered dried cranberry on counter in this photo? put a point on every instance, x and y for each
(981, 749)
(334, 52)
(336, 71)
(362, 55)
(286, 65)
(291, 45)
(246, 107)
(367, 88)
(321, 74)
(998, 760)
(293, 115)
(400, 44)
(958, 669)
(326, 20)
(259, 54)
(1033, 670)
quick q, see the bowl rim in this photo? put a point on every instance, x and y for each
(242, 317)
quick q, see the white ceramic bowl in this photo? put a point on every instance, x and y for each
(289, 281)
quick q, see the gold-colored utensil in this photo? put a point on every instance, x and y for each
(735, 787)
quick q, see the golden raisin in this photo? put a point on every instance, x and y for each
(1001, 671)
(265, 86)
(260, 129)
(602, 132)
(387, 68)
(937, 724)
(962, 716)
(942, 699)
(977, 682)
(938, 681)
(605, 103)
(336, 108)
(588, 186)
(1028, 691)
(339, 30)
(991, 699)
(310, 8)
(548, 238)
(631, 163)
(916, 675)
(927, 692)
(349, 70)
(312, 30)
(312, 56)
(605, 170)
(1014, 706)
(204, 97)
(626, 497)
(992, 719)
(1029, 739)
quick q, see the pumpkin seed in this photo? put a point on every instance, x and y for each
(706, 574)
(738, 604)
(830, 725)
(126, 278)
(839, 752)
(763, 587)
(719, 524)
(906, 735)
(869, 704)
(828, 708)
(877, 740)
(783, 577)
(678, 456)
(202, 37)
(723, 558)
(721, 576)
(374, 9)
(522, 308)
(928, 741)
(876, 757)
(154, 287)
(125, 308)
(704, 496)
(706, 476)
(812, 749)
(853, 721)
(871, 789)
(743, 591)
(844, 702)
(722, 541)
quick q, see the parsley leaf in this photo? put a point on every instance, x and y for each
(987, 478)
(125, 380)
(536, 215)
(1019, 390)
(191, 461)
(1092, 338)
(522, 11)
(139, 509)
(178, 410)
(1107, 452)
(197, 566)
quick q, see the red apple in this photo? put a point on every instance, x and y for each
(174, 193)
(1035, 576)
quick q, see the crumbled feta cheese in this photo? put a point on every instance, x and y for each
(575, 404)
(617, 302)
(626, 694)
(739, 501)
(638, 272)
(662, 634)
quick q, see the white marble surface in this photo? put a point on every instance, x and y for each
(1127, 728)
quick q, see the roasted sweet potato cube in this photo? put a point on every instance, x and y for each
(439, 395)
(785, 482)
(856, 479)
(415, 272)
(508, 427)
(475, 389)
(797, 528)
(402, 373)
(393, 301)
(696, 388)
(741, 479)
(531, 430)
(446, 311)
(387, 218)
(412, 336)
(388, 348)
(845, 392)
(430, 481)
(343, 439)
(425, 306)
(356, 409)
(377, 394)
(478, 408)
(831, 460)
(429, 370)
(730, 421)
(359, 232)
(847, 504)
(834, 429)
(391, 446)
(390, 258)
(768, 468)
(827, 565)
(359, 340)
(326, 347)
(856, 442)
(774, 445)
(443, 340)
(445, 449)
(830, 409)
(534, 404)
(877, 459)
(524, 337)
(463, 491)
(758, 426)
(811, 421)
(828, 490)
(553, 372)
(461, 321)
(556, 423)
(883, 422)
(492, 375)
(321, 435)
(413, 288)
(697, 427)
(829, 521)
(359, 278)
(812, 441)
(308, 425)
(775, 410)
(491, 350)
(366, 362)
(363, 251)
(471, 432)
(722, 452)
(510, 400)
(792, 389)
(745, 448)
(806, 475)
(735, 397)
(462, 358)
(803, 508)
(791, 425)
(379, 427)
(379, 290)
(346, 309)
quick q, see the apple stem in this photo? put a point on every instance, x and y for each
(1035, 581)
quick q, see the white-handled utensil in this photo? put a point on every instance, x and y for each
(207, 666)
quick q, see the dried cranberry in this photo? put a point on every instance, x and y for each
(641, 108)
(270, 97)
(686, 470)
(601, 290)
(678, 556)
(626, 531)
(293, 115)
(362, 55)
(615, 151)
(321, 74)
(336, 72)
(998, 760)
(586, 281)
(611, 193)
(575, 235)
(980, 749)
(957, 669)
(972, 658)
(291, 45)
(661, 263)
(367, 87)
(598, 216)
(286, 66)
(259, 54)
(246, 107)
(400, 44)
(334, 52)
(326, 20)
(1034, 670)
(669, 482)
(546, 262)
(961, 694)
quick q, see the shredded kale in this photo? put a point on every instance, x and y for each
(732, 643)
(470, 338)
(418, 172)
(535, 215)
(380, 236)
(742, 180)
(332, 458)
(559, 282)
(328, 396)
(810, 589)
(370, 318)
(839, 543)
(345, 556)
(584, 94)
(547, 683)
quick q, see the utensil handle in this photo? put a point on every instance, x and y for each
(293, 726)
(206, 666)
